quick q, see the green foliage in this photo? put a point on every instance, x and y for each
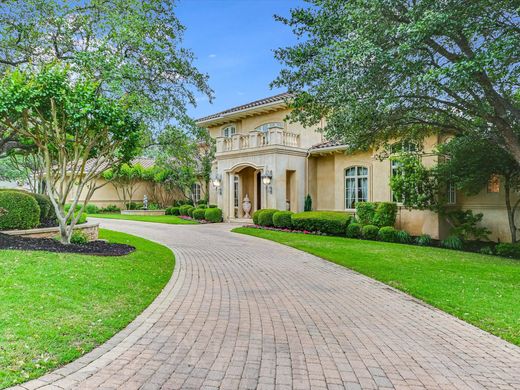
(386, 214)
(199, 213)
(265, 217)
(388, 234)
(370, 232)
(92, 209)
(466, 225)
(68, 206)
(202, 206)
(189, 210)
(452, 242)
(487, 250)
(365, 212)
(511, 250)
(308, 203)
(282, 219)
(78, 237)
(403, 237)
(111, 208)
(82, 218)
(212, 206)
(18, 211)
(183, 210)
(173, 211)
(379, 70)
(354, 230)
(424, 240)
(329, 222)
(256, 216)
(213, 215)
(46, 208)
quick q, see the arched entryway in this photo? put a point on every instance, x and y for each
(245, 180)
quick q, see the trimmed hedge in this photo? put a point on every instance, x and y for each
(388, 234)
(213, 215)
(354, 230)
(190, 211)
(199, 213)
(18, 210)
(329, 222)
(282, 219)
(91, 209)
(265, 217)
(256, 214)
(365, 212)
(183, 210)
(376, 213)
(508, 249)
(172, 211)
(370, 232)
(82, 219)
(45, 206)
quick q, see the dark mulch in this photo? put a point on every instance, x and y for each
(95, 248)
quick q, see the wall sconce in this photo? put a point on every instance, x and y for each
(217, 183)
(266, 179)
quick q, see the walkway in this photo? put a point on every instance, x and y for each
(241, 312)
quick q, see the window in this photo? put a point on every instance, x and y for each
(403, 147)
(267, 126)
(494, 184)
(396, 165)
(356, 186)
(195, 192)
(228, 131)
(452, 193)
(236, 199)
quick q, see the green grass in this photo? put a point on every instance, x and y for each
(482, 290)
(169, 219)
(56, 307)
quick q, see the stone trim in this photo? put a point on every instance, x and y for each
(91, 230)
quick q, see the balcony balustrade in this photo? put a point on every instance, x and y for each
(257, 139)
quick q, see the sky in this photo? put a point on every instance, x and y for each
(233, 41)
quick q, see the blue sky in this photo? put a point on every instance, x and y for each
(234, 42)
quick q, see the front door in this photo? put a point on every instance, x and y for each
(259, 190)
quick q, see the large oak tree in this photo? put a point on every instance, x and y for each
(381, 69)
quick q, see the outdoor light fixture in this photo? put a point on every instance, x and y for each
(266, 179)
(217, 182)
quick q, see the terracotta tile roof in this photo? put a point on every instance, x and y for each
(145, 162)
(272, 99)
(328, 144)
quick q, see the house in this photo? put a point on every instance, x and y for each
(275, 163)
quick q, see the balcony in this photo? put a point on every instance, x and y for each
(257, 139)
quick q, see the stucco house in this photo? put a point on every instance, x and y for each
(276, 163)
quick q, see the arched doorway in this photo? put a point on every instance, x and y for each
(245, 180)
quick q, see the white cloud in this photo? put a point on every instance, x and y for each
(212, 56)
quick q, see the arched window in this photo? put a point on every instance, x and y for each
(272, 125)
(356, 186)
(228, 131)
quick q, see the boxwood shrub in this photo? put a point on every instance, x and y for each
(91, 209)
(213, 214)
(370, 232)
(82, 219)
(354, 230)
(508, 249)
(183, 210)
(365, 212)
(376, 213)
(18, 210)
(190, 211)
(388, 234)
(199, 213)
(265, 217)
(256, 214)
(172, 211)
(329, 222)
(282, 219)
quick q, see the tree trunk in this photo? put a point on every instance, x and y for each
(510, 211)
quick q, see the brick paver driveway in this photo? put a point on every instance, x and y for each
(241, 312)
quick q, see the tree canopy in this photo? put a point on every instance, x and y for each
(379, 70)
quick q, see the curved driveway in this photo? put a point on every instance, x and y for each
(241, 312)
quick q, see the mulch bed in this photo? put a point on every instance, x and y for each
(95, 248)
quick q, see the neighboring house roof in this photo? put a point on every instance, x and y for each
(327, 146)
(272, 100)
(145, 162)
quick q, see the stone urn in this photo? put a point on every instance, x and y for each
(246, 206)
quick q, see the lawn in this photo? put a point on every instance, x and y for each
(56, 307)
(169, 219)
(482, 290)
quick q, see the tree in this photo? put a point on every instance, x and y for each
(126, 180)
(77, 132)
(380, 70)
(24, 166)
(132, 47)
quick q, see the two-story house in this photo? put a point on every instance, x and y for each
(276, 163)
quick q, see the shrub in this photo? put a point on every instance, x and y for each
(20, 210)
(388, 234)
(282, 219)
(370, 232)
(265, 217)
(153, 206)
(385, 214)
(111, 208)
(329, 222)
(508, 250)
(486, 250)
(184, 202)
(45, 206)
(467, 225)
(82, 218)
(308, 203)
(424, 240)
(403, 237)
(213, 215)
(92, 209)
(256, 214)
(354, 230)
(202, 206)
(183, 210)
(212, 206)
(190, 211)
(199, 214)
(365, 212)
(78, 237)
(68, 206)
(452, 242)
(172, 211)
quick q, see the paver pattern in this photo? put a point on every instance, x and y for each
(245, 313)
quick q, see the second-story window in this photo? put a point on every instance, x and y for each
(272, 125)
(228, 131)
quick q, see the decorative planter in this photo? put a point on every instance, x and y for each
(246, 206)
(90, 229)
(143, 212)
